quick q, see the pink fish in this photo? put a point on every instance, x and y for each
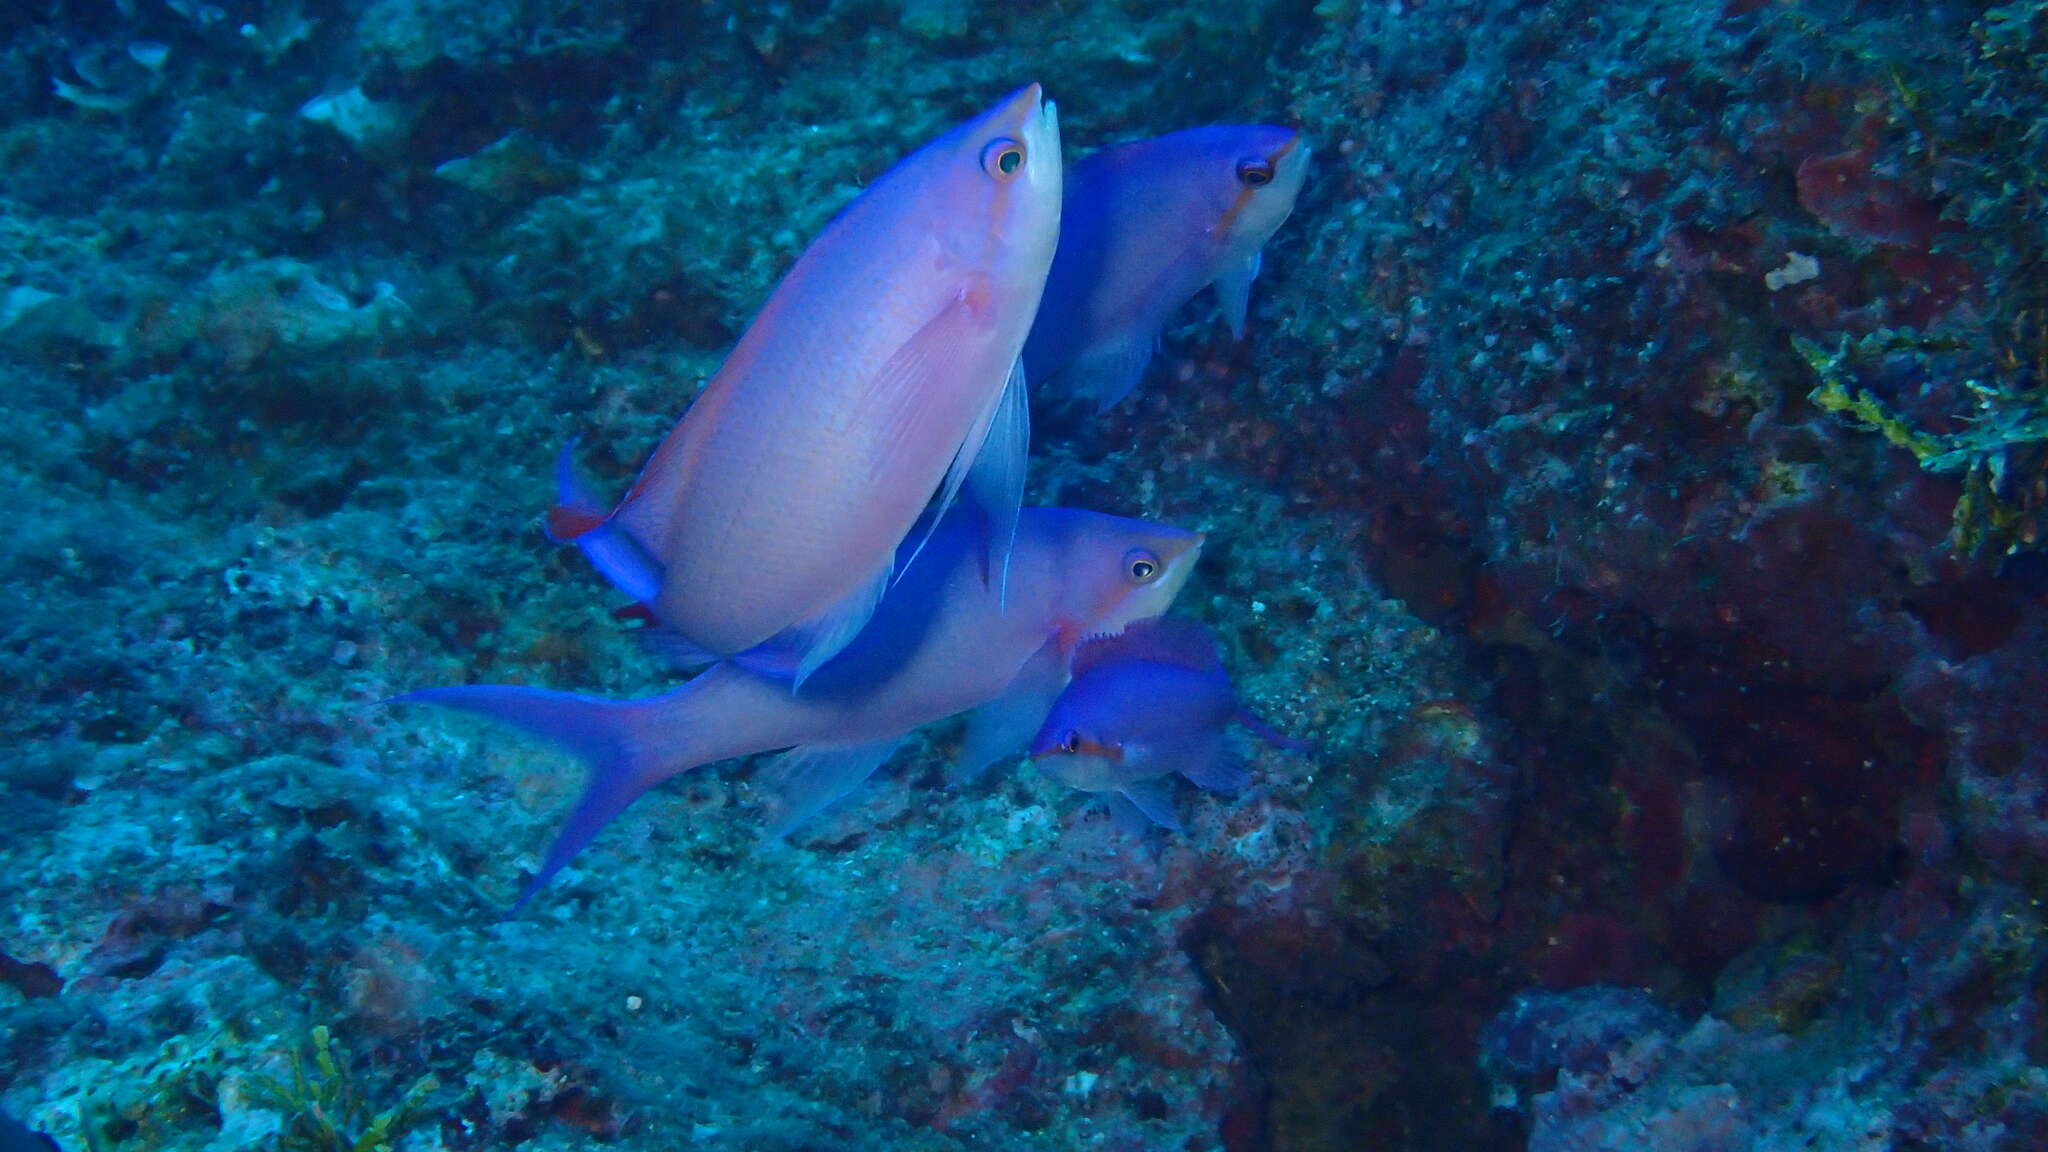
(883, 368)
(1145, 227)
(944, 640)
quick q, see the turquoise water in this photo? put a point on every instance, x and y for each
(1630, 483)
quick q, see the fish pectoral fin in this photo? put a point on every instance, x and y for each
(1125, 815)
(806, 780)
(898, 392)
(1006, 724)
(1234, 291)
(1107, 373)
(1154, 798)
(800, 650)
(995, 479)
(1214, 762)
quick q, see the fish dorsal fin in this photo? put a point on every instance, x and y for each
(1172, 640)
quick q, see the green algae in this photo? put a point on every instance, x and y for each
(326, 1110)
(2000, 452)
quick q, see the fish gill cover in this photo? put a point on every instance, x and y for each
(1631, 478)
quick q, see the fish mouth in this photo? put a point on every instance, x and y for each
(1289, 158)
(1024, 105)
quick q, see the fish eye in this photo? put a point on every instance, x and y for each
(1070, 742)
(1002, 158)
(1141, 566)
(1254, 172)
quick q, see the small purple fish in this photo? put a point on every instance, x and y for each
(883, 369)
(1144, 705)
(1146, 225)
(945, 639)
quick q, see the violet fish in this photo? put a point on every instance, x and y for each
(883, 369)
(1145, 227)
(1145, 705)
(944, 640)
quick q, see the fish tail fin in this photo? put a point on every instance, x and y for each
(629, 747)
(1271, 735)
(578, 518)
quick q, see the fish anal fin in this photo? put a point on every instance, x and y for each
(673, 648)
(806, 780)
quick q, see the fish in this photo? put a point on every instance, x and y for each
(1145, 226)
(1144, 705)
(883, 370)
(944, 640)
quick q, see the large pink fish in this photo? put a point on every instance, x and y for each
(883, 367)
(945, 639)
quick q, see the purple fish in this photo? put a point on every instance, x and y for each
(944, 640)
(1144, 705)
(883, 369)
(1147, 225)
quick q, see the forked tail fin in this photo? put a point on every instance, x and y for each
(629, 747)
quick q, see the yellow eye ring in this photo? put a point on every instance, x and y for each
(1254, 173)
(1003, 158)
(1141, 566)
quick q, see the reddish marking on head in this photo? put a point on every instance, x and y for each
(1076, 744)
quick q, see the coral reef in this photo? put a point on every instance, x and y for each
(1632, 481)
